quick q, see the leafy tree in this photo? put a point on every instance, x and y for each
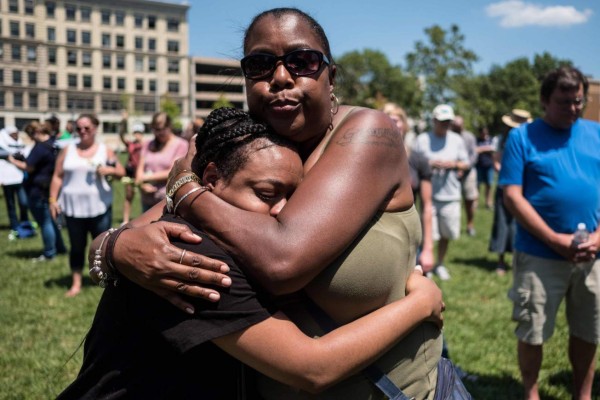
(367, 78)
(442, 62)
(221, 102)
(172, 109)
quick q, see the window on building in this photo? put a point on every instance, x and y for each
(51, 34)
(50, 9)
(119, 18)
(86, 37)
(86, 59)
(139, 43)
(16, 52)
(172, 25)
(138, 20)
(51, 55)
(31, 53)
(151, 22)
(139, 85)
(110, 104)
(15, 28)
(30, 31)
(71, 36)
(121, 83)
(173, 46)
(173, 87)
(106, 40)
(1, 76)
(72, 57)
(72, 81)
(151, 44)
(105, 17)
(18, 99)
(52, 79)
(80, 103)
(144, 105)
(87, 81)
(173, 66)
(33, 100)
(13, 6)
(85, 13)
(106, 60)
(120, 40)
(70, 12)
(152, 64)
(152, 86)
(107, 82)
(139, 64)
(2, 103)
(32, 78)
(53, 101)
(29, 6)
(120, 61)
(17, 78)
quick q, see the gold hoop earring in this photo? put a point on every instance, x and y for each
(335, 104)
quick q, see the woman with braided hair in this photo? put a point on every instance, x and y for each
(140, 346)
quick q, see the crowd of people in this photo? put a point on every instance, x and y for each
(294, 226)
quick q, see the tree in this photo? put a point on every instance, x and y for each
(366, 78)
(172, 109)
(221, 102)
(443, 63)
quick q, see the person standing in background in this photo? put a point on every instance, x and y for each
(504, 225)
(156, 160)
(468, 178)
(448, 159)
(134, 149)
(551, 178)
(11, 178)
(85, 194)
(39, 166)
(485, 163)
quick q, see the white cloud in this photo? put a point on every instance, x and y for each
(516, 13)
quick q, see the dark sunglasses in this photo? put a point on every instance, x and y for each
(298, 63)
(83, 128)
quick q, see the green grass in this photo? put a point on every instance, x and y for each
(41, 331)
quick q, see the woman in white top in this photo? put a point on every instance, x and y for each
(85, 194)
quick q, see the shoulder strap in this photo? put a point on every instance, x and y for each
(374, 374)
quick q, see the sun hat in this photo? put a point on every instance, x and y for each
(516, 117)
(11, 129)
(443, 112)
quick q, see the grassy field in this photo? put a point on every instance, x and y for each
(41, 331)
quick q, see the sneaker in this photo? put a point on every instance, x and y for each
(41, 258)
(442, 272)
(429, 274)
(13, 235)
(471, 231)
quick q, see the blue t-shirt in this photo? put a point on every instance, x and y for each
(559, 171)
(42, 158)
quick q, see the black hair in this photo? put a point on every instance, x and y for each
(279, 13)
(226, 138)
(564, 78)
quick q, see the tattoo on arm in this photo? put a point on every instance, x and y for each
(377, 136)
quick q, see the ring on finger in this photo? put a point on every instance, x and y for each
(182, 255)
(181, 287)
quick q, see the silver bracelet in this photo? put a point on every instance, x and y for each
(96, 270)
(194, 190)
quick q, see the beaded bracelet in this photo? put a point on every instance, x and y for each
(96, 272)
(194, 190)
(110, 247)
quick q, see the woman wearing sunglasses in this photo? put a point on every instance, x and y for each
(347, 236)
(80, 191)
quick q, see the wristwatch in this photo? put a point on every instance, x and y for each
(178, 184)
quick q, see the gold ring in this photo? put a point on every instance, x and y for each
(182, 255)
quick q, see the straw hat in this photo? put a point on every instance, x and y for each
(516, 117)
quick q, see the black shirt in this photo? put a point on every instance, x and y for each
(142, 347)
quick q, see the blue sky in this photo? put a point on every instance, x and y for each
(496, 30)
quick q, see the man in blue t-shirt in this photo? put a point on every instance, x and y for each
(551, 179)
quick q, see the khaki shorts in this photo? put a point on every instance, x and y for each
(445, 220)
(539, 286)
(469, 185)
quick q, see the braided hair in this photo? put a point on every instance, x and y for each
(228, 137)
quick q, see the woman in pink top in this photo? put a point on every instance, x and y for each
(156, 160)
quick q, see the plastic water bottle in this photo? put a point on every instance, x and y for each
(581, 235)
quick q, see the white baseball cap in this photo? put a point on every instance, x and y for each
(443, 112)
(138, 128)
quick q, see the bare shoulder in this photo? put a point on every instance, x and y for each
(358, 125)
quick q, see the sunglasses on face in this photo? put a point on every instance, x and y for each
(83, 128)
(577, 102)
(298, 63)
